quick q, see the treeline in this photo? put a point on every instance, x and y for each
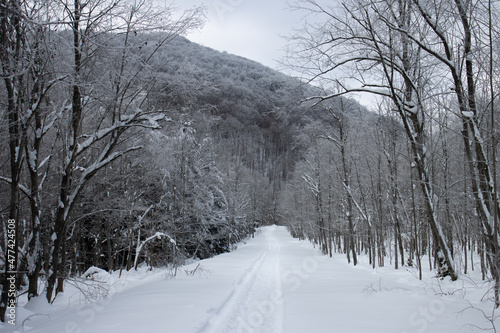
(356, 191)
(420, 180)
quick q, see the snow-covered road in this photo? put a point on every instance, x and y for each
(255, 303)
(272, 283)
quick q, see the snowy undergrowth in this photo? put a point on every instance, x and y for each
(93, 287)
(271, 283)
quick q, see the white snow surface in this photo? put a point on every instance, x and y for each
(271, 283)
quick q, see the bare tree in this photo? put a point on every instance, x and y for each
(127, 109)
(453, 48)
(364, 41)
(341, 142)
(11, 53)
(25, 62)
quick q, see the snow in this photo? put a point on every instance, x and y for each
(32, 159)
(271, 283)
(44, 161)
(16, 157)
(468, 114)
(157, 235)
(91, 271)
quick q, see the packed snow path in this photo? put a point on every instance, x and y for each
(256, 302)
(271, 283)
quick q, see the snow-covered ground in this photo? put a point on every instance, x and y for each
(272, 283)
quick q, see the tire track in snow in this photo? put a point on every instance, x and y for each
(255, 305)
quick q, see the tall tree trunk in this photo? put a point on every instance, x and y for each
(35, 247)
(347, 176)
(10, 58)
(482, 179)
(494, 193)
(64, 205)
(412, 115)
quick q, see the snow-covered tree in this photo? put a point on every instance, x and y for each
(91, 143)
(373, 43)
(26, 60)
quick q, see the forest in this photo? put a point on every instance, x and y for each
(125, 144)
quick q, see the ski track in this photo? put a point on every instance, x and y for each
(255, 305)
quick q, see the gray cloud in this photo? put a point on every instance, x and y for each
(247, 28)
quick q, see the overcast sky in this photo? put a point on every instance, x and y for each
(253, 29)
(248, 28)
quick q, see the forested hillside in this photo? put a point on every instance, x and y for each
(210, 174)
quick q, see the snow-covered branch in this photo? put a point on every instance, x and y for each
(383, 91)
(138, 119)
(90, 171)
(332, 139)
(157, 235)
(23, 188)
(312, 184)
(365, 216)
